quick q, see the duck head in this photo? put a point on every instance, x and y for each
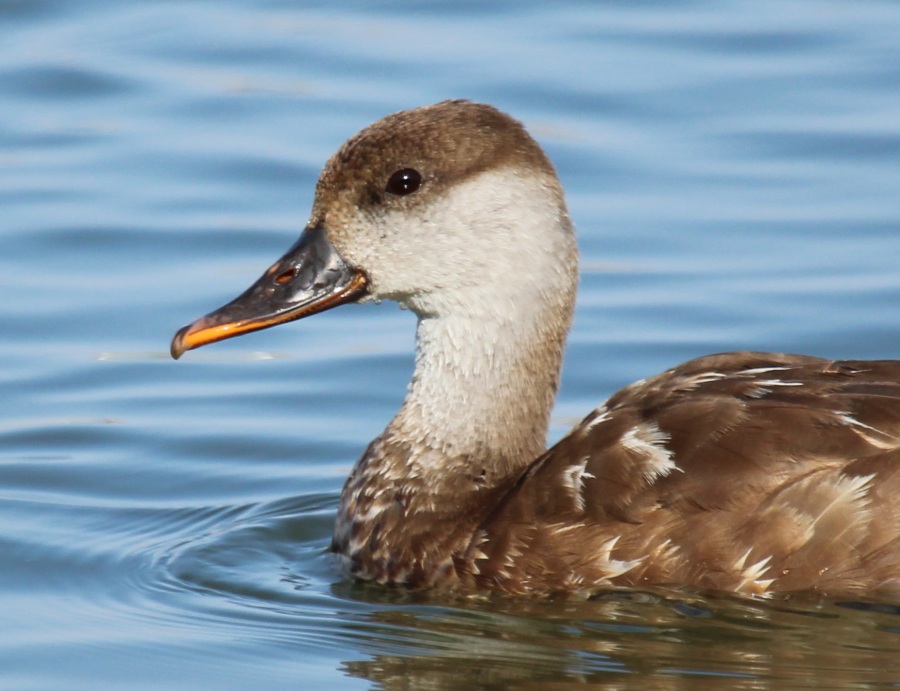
(447, 209)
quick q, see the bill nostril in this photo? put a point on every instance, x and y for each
(286, 276)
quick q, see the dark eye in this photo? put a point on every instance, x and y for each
(404, 181)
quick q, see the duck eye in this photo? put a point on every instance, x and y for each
(404, 181)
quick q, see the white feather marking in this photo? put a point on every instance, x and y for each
(648, 440)
(477, 555)
(573, 581)
(598, 417)
(849, 488)
(372, 511)
(751, 576)
(613, 567)
(764, 370)
(573, 478)
(702, 378)
(666, 550)
(708, 377)
(758, 392)
(862, 428)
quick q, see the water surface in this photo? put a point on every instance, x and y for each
(732, 169)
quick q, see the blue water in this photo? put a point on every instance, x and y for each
(734, 172)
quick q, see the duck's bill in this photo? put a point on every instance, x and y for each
(310, 278)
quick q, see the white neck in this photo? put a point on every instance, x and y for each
(469, 396)
(490, 340)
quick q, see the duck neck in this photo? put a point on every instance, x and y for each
(480, 396)
(476, 415)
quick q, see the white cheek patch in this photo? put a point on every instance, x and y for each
(438, 255)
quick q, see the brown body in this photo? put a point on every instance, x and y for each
(746, 472)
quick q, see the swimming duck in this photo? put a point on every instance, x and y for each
(745, 472)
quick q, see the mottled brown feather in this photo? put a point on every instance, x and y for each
(765, 480)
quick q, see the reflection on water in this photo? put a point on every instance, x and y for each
(667, 637)
(731, 168)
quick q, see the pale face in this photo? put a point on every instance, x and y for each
(446, 207)
(488, 238)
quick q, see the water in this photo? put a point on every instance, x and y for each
(733, 172)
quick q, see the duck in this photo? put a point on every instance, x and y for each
(744, 472)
